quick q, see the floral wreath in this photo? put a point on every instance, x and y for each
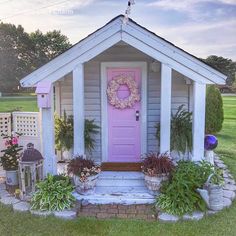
(113, 87)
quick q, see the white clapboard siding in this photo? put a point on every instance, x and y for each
(92, 89)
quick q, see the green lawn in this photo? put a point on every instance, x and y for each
(224, 223)
(9, 104)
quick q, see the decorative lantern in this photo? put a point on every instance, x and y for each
(210, 143)
(30, 170)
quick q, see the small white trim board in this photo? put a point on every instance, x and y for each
(104, 115)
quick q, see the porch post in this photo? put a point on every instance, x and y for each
(198, 128)
(165, 117)
(48, 140)
(78, 109)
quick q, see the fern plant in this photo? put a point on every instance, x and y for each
(181, 131)
(90, 129)
(64, 129)
(64, 132)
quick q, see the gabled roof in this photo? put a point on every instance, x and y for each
(134, 35)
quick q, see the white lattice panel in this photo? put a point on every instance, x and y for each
(26, 123)
(5, 123)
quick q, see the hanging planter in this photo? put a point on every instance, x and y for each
(113, 88)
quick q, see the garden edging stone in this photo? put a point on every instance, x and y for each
(66, 214)
(229, 194)
(167, 217)
(21, 206)
(197, 215)
(8, 200)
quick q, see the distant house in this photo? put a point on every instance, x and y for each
(151, 78)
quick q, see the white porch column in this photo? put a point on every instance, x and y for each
(198, 130)
(165, 118)
(48, 137)
(78, 109)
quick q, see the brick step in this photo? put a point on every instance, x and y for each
(141, 211)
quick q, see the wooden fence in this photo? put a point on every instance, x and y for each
(25, 123)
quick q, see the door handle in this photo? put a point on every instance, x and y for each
(137, 115)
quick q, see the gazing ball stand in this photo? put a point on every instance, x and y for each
(210, 143)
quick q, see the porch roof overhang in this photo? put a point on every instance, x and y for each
(136, 36)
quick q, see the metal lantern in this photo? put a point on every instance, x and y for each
(30, 170)
(210, 143)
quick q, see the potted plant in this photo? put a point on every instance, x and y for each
(64, 135)
(10, 158)
(85, 174)
(156, 168)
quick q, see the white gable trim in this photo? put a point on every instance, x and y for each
(135, 36)
(172, 51)
(72, 54)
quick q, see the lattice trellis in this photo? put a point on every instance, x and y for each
(5, 123)
(27, 123)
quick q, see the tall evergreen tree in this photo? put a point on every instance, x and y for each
(214, 110)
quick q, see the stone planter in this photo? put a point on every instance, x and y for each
(12, 177)
(153, 183)
(67, 154)
(86, 187)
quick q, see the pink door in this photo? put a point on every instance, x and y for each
(124, 134)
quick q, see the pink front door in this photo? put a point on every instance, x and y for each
(124, 135)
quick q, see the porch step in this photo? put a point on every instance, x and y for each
(120, 179)
(119, 187)
(117, 195)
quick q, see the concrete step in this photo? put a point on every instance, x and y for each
(118, 187)
(120, 179)
(105, 195)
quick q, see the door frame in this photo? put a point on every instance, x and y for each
(104, 113)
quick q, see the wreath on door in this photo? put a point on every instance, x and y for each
(113, 88)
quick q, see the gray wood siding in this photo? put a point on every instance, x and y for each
(92, 88)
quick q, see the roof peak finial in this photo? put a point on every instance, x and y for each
(128, 11)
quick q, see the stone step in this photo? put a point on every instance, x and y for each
(125, 199)
(120, 179)
(127, 195)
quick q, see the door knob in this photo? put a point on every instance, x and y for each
(137, 115)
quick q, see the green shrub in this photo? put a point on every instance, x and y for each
(214, 110)
(53, 194)
(181, 130)
(179, 195)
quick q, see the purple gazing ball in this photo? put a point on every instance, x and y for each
(210, 142)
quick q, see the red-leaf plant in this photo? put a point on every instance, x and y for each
(82, 168)
(156, 164)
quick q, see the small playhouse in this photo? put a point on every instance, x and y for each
(127, 79)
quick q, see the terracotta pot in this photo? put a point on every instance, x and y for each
(12, 177)
(86, 187)
(154, 182)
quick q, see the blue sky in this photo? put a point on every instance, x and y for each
(201, 27)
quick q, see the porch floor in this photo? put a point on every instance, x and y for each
(118, 187)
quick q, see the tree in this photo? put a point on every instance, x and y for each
(21, 53)
(225, 65)
(15, 56)
(48, 45)
(214, 110)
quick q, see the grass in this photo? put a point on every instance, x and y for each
(222, 223)
(10, 104)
